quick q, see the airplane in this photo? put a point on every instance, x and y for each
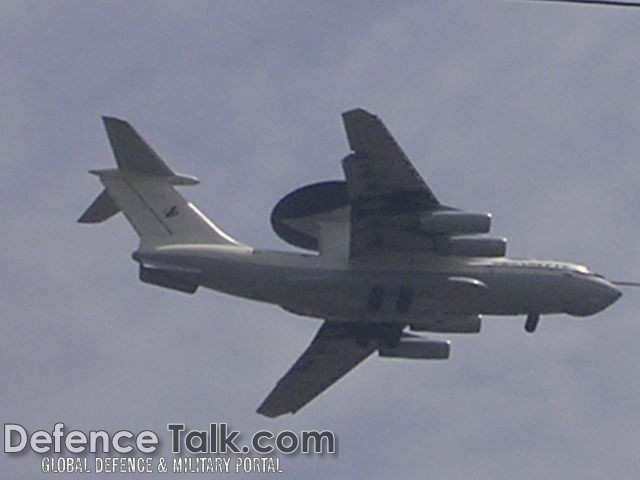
(386, 258)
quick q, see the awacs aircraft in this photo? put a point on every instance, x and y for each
(389, 258)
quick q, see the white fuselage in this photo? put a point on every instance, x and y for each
(406, 286)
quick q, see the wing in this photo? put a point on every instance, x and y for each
(334, 352)
(384, 188)
(378, 166)
(392, 208)
(384, 205)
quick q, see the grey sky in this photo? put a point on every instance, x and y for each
(529, 111)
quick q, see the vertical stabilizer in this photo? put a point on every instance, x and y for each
(143, 188)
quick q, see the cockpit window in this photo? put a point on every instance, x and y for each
(582, 269)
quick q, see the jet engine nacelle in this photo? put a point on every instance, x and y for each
(449, 324)
(473, 247)
(454, 222)
(418, 348)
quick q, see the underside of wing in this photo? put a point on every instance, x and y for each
(392, 207)
(378, 166)
(333, 352)
(339, 347)
(384, 203)
(385, 189)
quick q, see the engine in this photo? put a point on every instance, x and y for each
(418, 348)
(455, 222)
(472, 246)
(449, 324)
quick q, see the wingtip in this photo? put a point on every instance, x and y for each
(85, 221)
(265, 412)
(86, 218)
(109, 120)
(357, 111)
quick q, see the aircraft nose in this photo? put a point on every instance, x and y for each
(614, 293)
(610, 293)
(597, 294)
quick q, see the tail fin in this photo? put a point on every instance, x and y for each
(142, 187)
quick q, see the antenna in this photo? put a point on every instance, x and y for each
(626, 284)
(594, 2)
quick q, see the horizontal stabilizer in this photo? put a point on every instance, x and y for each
(131, 151)
(100, 210)
(143, 188)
